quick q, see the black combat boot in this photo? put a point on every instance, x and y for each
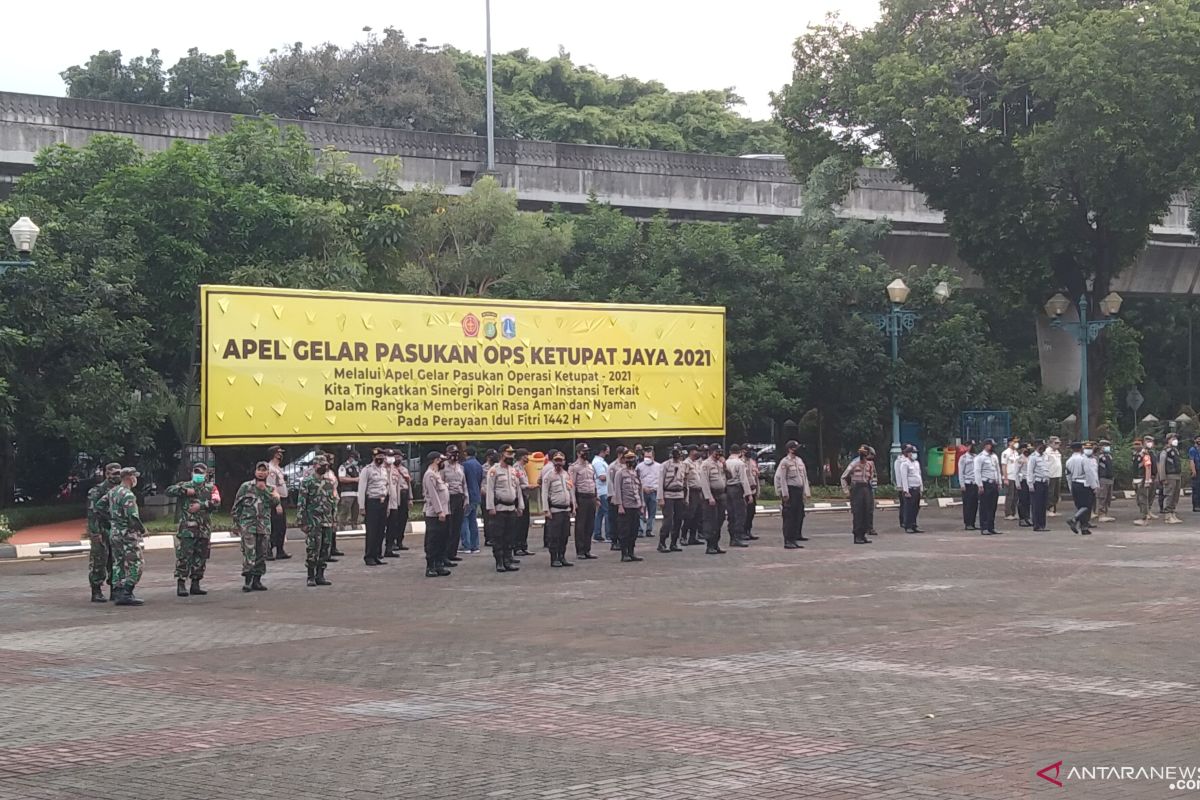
(555, 561)
(499, 564)
(256, 584)
(510, 563)
(321, 578)
(181, 587)
(312, 576)
(675, 548)
(126, 598)
(98, 595)
(280, 555)
(662, 543)
(562, 556)
(633, 556)
(196, 587)
(246, 585)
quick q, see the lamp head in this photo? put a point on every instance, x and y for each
(1057, 304)
(941, 292)
(1111, 304)
(24, 234)
(897, 291)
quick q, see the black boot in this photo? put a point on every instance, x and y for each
(256, 584)
(312, 577)
(510, 565)
(499, 564)
(181, 587)
(675, 548)
(431, 568)
(98, 595)
(280, 555)
(626, 555)
(321, 577)
(562, 557)
(662, 543)
(196, 587)
(246, 585)
(633, 552)
(127, 599)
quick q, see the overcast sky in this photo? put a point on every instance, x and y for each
(687, 45)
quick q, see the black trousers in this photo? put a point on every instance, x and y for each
(793, 515)
(1084, 497)
(674, 513)
(435, 541)
(989, 496)
(693, 522)
(912, 507)
(375, 518)
(714, 517)
(585, 522)
(751, 510)
(628, 526)
(735, 507)
(504, 532)
(862, 509)
(521, 532)
(558, 530)
(1041, 496)
(1023, 502)
(1196, 493)
(454, 523)
(278, 528)
(397, 521)
(970, 501)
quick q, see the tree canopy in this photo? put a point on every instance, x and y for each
(1051, 134)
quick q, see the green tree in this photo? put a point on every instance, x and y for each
(210, 83)
(1052, 135)
(385, 81)
(105, 76)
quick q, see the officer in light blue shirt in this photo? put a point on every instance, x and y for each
(602, 530)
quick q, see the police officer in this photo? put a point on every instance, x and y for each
(630, 501)
(504, 502)
(437, 516)
(712, 486)
(693, 523)
(456, 483)
(558, 503)
(278, 484)
(1080, 472)
(1170, 470)
(374, 489)
(909, 483)
(737, 494)
(752, 472)
(582, 476)
(521, 535)
(1104, 466)
(791, 484)
(1038, 470)
(856, 482)
(970, 489)
(673, 491)
(987, 473)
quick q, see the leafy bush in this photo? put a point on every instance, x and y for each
(26, 516)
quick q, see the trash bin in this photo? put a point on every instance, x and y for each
(950, 462)
(533, 468)
(933, 462)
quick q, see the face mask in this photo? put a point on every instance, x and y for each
(1174, 443)
(1107, 449)
(649, 459)
(321, 470)
(508, 459)
(558, 465)
(1087, 451)
(198, 478)
(912, 456)
(389, 460)
(379, 459)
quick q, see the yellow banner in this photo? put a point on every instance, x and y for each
(284, 365)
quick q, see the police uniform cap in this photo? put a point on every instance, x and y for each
(992, 442)
(1076, 445)
(273, 449)
(792, 444)
(1105, 443)
(451, 449)
(433, 454)
(908, 448)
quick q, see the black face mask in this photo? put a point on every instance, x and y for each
(508, 459)
(378, 459)
(321, 470)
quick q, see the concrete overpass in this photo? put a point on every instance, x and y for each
(640, 182)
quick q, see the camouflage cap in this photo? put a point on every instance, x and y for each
(200, 466)
(129, 472)
(261, 465)
(112, 468)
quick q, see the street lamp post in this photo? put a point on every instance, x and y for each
(895, 323)
(491, 103)
(1085, 332)
(24, 235)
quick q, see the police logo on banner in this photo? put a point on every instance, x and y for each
(508, 327)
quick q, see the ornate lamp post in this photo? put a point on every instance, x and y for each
(896, 322)
(24, 235)
(1085, 332)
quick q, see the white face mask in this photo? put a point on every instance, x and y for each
(649, 459)
(389, 460)
(1107, 449)
(1174, 443)
(1087, 451)
(912, 456)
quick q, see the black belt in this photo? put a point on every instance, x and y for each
(559, 508)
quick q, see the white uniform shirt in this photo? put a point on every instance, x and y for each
(1054, 463)
(966, 469)
(909, 475)
(987, 468)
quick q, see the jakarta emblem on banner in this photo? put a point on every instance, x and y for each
(284, 365)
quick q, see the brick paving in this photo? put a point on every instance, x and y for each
(943, 665)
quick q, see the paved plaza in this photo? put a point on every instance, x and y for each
(942, 665)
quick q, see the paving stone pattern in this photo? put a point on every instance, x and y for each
(943, 665)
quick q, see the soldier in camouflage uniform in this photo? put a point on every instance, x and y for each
(100, 556)
(252, 522)
(195, 504)
(314, 507)
(125, 538)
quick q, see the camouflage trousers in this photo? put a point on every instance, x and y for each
(127, 558)
(318, 541)
(254, 553)
(99, 560)
(191, 556)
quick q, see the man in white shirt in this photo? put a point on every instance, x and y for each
(909, 484)
(1055, 471)
(970, 489)
(901, 500)
(650, 473)
(987, 474)
(1084, 479)
(1010, 466)
(600, 467)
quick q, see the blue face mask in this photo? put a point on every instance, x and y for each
(198, 478)
(1107, 449)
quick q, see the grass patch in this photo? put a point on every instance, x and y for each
(26, 516)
